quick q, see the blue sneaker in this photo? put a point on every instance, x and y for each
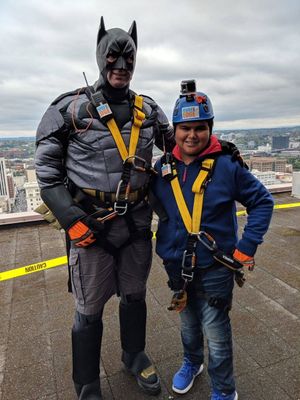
(184, 378)
(222, 396)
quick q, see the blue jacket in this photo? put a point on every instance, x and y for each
(230, 183)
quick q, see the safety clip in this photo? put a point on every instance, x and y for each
(188, 264)
(207, 241)
(121, 205)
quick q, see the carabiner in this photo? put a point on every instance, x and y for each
(121, 209)
(207, 241)
(187, 268)
(127, 190)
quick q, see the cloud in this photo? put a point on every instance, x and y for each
(244, 55)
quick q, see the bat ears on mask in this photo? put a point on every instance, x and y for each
(133, 33)
(102, 31)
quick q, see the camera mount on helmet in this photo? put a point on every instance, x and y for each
(191, 105)
(188, 89)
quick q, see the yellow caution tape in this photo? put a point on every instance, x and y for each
(242, 212)
(287, 205)
(276, 206)
(56, 262)
(29, 269)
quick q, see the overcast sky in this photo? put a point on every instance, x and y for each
(244, 54)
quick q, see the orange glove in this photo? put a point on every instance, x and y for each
(81, 234)
(247, 261)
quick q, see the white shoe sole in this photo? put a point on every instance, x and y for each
(183, 391)
(236, 396)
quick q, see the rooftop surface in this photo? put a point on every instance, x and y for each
(37, 315)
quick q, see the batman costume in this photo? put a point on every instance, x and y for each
(96, 186)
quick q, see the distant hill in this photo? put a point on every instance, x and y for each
(261, 131)
(18, 139)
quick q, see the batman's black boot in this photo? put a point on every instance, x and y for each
(133, 330)
(89, 391)
(86, 344)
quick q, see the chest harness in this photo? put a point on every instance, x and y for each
(192, 224)
(123, 196)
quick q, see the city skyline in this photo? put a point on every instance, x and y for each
(244, 55)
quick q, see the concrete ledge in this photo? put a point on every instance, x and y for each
(21, 217)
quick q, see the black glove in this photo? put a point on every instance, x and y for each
(94, 225)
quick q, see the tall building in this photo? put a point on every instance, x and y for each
(280, 142)
(33, 198)
(4, 189)
(3, 179)
(30, 174)
(19, 180)
(263, 164)
(11, 187)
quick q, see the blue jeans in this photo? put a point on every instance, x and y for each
(199, 319)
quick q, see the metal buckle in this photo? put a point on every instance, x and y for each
(120, 209)
(131, 160)
(187, 276)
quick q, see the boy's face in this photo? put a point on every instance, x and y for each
(192, 138)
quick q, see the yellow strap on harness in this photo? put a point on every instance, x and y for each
(192, 223)
(182, 207)
(114, 130)
(138, 118)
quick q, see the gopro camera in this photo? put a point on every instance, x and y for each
(188, 87)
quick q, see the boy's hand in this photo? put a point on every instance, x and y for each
(247, 261)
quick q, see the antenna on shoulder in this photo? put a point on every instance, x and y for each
(85, 79)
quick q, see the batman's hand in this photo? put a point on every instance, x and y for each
(94, 225)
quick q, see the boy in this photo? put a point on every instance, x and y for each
(198, 185)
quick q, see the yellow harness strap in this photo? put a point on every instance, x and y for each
(181, 204)
(138, 118)
(192, 223)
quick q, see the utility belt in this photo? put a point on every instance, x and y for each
(106, 211)
(108, 199)
(97, 204)
(105, 206)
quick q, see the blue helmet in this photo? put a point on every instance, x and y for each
(192, 107)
